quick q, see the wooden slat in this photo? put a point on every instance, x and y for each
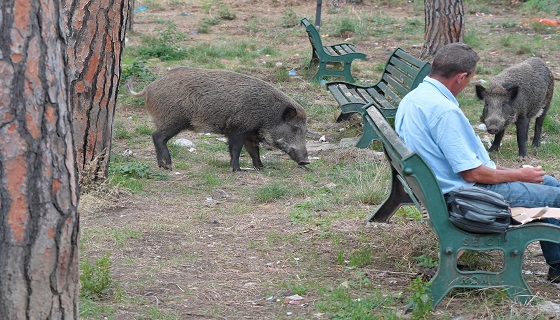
(362, 92)
(331, 51)
(404, 67)
(339, 95)
(411, 59)
(396, 84)
(350, 93)
(390, 94)
(380, 99)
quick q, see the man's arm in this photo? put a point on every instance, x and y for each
(487, 175)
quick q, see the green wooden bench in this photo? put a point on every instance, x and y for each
(401, 74)
(326, 58)
(413, 182)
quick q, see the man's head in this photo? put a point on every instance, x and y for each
(454, 65)
(454, 58)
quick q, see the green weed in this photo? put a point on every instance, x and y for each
(95, 279)
(136, 170)
(139, 70)
(132, 175)
(426, 261)
(420, 299)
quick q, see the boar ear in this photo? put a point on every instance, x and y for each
(480, 91)
(512, 90)
(289, 113)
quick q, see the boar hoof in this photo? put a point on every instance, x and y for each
(166, 166)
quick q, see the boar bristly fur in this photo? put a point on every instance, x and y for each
(244, 109)
(518, 94)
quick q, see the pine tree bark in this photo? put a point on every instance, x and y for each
(97, 31)
(444, 23)
(38, 176)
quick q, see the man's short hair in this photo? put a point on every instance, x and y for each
(454, 58)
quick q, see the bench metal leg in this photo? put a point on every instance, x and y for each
(395, 200)
(510, 278)
(368, 135)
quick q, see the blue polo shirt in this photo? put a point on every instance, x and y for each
(430, 122)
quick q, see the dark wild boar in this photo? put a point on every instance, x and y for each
(518, 94)
(246, 110)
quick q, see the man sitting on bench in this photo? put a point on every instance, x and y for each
(430, 122)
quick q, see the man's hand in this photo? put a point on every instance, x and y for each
(531, 174)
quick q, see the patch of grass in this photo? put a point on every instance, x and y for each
(164, 46)
(210, 54)
(157, 313)
(342, 303)
(289, 18)
(132, 175)
(345, 27)
(224, 12)
(524, 49)
(120, 131)
(550, 6)
(301, 215)
(361, 257)
(123, 236)
(90, 309)
(272, 192)
(472, 38)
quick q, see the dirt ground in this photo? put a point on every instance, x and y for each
(201, 255)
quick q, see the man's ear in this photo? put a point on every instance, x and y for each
(462, 76)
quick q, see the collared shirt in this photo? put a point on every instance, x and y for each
(430, 122)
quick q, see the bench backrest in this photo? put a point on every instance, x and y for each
(402, 74)
(313, 34)
(413, 172)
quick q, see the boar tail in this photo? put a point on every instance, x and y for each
(132, 92)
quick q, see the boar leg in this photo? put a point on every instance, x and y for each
(522, 125)
(497, 140)
(235, 144)
(538, 130)
(160, 138)
(252, 148)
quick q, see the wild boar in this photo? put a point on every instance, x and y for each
(244, 109)
(517, 95)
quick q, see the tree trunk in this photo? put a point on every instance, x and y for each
(444, 23)
(97, 31)
(38, 176)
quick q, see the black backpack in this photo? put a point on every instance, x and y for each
(478, 210)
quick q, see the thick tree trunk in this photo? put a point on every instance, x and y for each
(96, 40)
(38, 176)
(444, 23)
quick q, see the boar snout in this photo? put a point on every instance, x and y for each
(493, 130)
(494, 125)
(299, 156)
